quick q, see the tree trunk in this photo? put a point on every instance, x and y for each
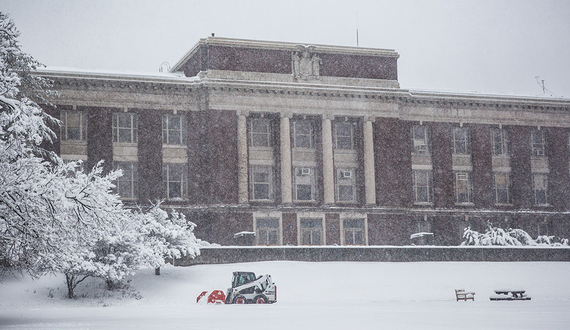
(69, 279)
(157, 271)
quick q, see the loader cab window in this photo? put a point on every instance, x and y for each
(242, 278)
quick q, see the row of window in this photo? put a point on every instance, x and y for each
(463, 187)
(74, 127)
(304, 186)
(461, 141)
(311, 231)
(125, 127)
(174, 180)
(302, 133)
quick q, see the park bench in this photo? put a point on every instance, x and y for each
(462, 295)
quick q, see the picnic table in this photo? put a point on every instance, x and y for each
(509, 295)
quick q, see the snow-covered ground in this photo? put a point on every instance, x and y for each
(326, 295)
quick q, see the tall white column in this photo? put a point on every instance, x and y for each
(243, 183)
(369, 173)
(328, 165)
(286, 192)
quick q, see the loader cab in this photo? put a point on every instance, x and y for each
(241, 278)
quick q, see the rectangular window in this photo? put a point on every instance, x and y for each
(463, 188)
(304, 187)
(343, 135)
(73, 125)
(260, 132)
(346, 185)
(461, 143)
(540, 188)
(261, 183)
(311, 231)
(420, 139)
(538, 143)
(267, 231)
(502, 183)
(353, 231)
(423, 186)
(173, 129)
(127, 185)
(174, 179)
(500, 142)
(303, 134)
(124, 127)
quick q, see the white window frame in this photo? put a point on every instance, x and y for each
(506, 187)
(463, 177)
(132, 128)
(343, 180)
(263, 233)
(299, 178)
(352, 231)
(295, 134)
(264, 169)
(129, 177)
(255, 134)
(428, 185)
(64, 114)
(170, 134)
(500, 141)
(168, 168)
(337, 136)
(538, 143)
(457, 141)
(311, 231)
(420, 145)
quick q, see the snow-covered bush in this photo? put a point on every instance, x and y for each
(509, 237)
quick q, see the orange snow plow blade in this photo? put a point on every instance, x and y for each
(214, 297)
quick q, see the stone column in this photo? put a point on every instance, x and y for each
(243, 184)
(369, 174)
(286, 192)
(328, 164)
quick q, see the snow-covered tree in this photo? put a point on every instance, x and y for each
(167, 237)
(509, 237)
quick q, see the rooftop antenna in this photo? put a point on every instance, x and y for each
(162, 65)
(541, 84)
(357, 29)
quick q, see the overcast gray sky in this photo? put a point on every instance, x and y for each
(496, 46)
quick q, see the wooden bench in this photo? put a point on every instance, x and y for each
(462, 295)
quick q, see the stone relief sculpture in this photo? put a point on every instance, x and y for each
(306, 63)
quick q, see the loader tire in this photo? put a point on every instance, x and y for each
(260, 299)
(240, 300)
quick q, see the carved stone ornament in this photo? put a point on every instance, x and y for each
(306, 63)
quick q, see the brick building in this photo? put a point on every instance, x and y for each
(318, 145)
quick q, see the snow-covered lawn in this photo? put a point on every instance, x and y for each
(326, 295)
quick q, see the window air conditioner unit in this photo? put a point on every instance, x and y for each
(346, 174)
(421, 148)
(539, 152)
(305, 171)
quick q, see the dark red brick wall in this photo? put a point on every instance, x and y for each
(215, 57)
(374, 229)
(249, 59)
(482, 161)
(559, 180)
(520, 166)
(196, 157)
(99, 137)
(223, 165)
(358, 66)
(150, 156)
(225, 225)
(289, 228)
(276, 127)
(393, 163)
(446, 230)
(442, 163)
(333, 228)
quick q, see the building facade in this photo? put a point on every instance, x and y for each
(318, 145)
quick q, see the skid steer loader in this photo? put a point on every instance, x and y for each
(246, 289)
